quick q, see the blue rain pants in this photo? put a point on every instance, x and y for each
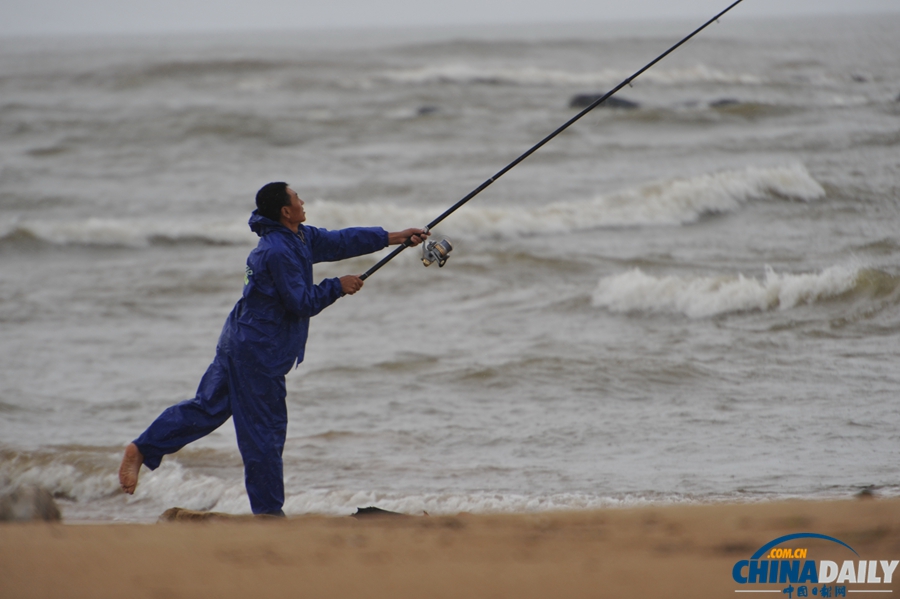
(256, 401)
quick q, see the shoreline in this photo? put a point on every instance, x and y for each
(671, 551)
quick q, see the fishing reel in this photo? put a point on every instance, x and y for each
(436, 251)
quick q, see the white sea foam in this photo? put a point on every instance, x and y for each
(461, 73)
(173, 485)
(705, 296)
(91, 492)
(340, 503)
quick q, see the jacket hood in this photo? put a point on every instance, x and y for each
(261, 225)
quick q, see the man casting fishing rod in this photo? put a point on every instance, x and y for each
(266, 332)
(263, 338)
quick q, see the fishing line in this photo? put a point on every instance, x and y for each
(437, 251)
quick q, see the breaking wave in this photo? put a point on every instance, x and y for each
(706, 296)
(74, 473)
(671, 202)
(461, 73)
(135, 233)
(84, 480)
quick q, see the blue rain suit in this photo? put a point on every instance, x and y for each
(263, 338)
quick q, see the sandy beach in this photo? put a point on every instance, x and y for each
(670, 551)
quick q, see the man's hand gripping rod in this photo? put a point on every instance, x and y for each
(538, 145)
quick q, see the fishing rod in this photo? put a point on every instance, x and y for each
(437, 251)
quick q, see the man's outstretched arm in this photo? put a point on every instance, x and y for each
(331, 246)
(350, 284)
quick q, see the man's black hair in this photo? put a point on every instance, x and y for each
(271, 198)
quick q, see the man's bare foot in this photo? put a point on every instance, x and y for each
(130, 468)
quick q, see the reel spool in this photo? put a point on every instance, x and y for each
(436, 251)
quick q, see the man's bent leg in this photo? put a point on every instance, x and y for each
(187, 421)
(260, 421)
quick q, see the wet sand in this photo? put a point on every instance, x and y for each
(658, 551)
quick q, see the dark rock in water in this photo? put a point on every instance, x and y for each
(585, 100)
(721, 103)
(375, 512)
(867, 492)
(27, 503)
(427, 110)
(180, 514)
(898, 98)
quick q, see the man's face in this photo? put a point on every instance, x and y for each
(294, 212)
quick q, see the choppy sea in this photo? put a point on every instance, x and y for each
(693, 300)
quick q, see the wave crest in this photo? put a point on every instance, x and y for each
(701, 297)
(461, 73)
(672, 202)
(134, 233)
(75, 474)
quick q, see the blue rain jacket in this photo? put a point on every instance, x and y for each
(269, 325)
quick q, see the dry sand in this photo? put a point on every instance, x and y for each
(670, 551)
